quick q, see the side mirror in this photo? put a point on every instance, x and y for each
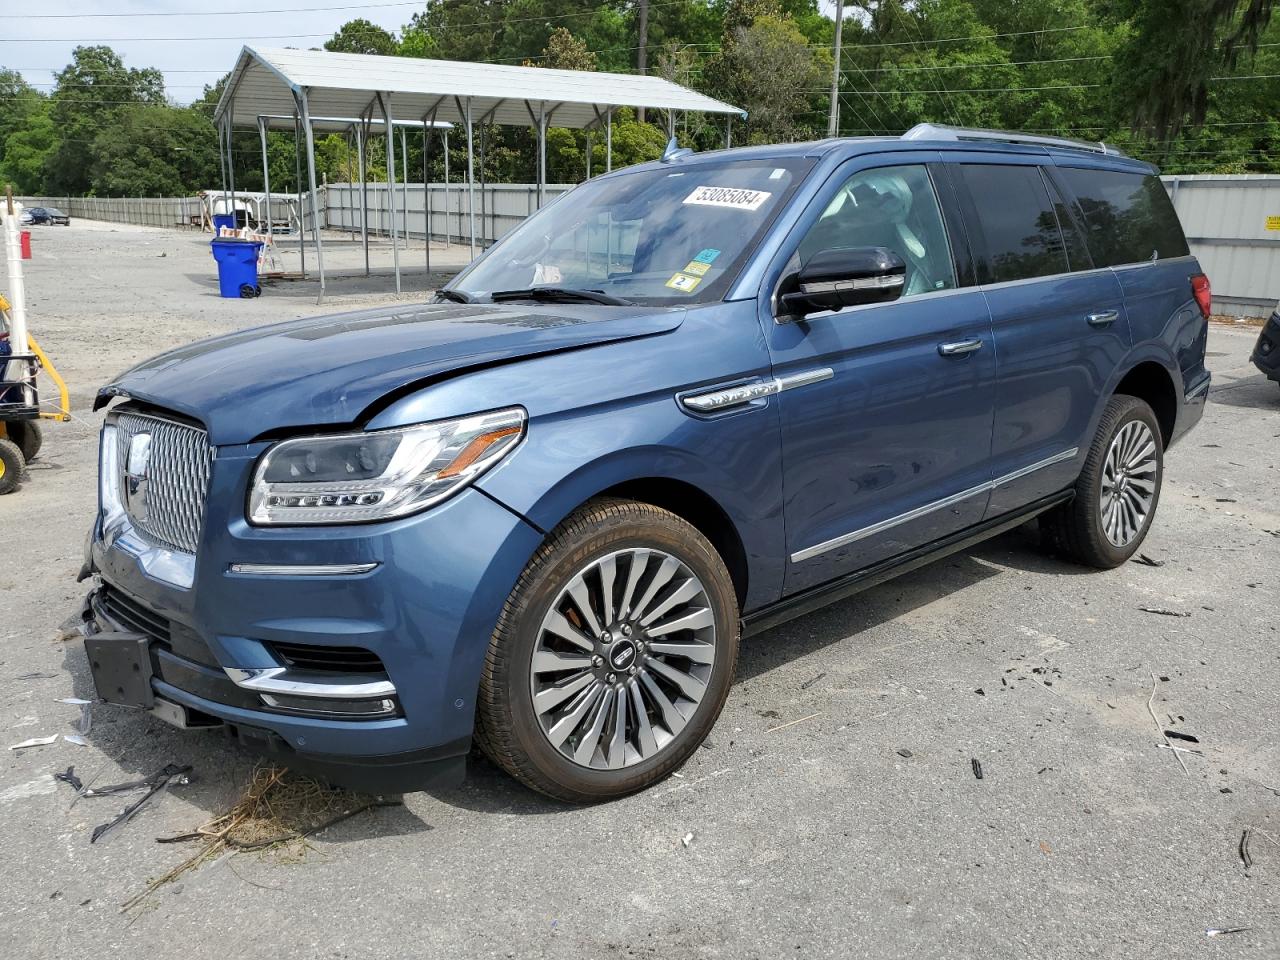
(844, 277)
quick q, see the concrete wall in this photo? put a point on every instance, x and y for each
(1233, 226)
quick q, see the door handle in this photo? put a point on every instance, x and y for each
(959, 348)
(1103, 319)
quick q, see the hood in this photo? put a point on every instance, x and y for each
(330, 370)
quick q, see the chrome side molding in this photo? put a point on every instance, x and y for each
(862, 533)
(727, 397)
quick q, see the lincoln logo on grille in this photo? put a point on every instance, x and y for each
(135, 476)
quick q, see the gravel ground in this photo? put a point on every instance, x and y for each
(834, 812)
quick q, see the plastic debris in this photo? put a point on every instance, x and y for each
(1223, 931)
(809, 683)
(905, 753)
(1177, 735)
(1165, 612)
(36, 676)
(1143, 560)
(158, 783)
(86, 717)
(76, 739)
(1244, 848)
(977, 767)
(687, 838)
(70, 777)
(35, 742)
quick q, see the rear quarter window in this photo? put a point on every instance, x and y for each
(1129, 217)
(1016, 221)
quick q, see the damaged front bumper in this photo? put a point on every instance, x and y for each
(353, 653)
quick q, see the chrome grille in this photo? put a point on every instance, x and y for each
(171, 511)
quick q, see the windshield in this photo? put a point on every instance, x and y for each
(676, 234)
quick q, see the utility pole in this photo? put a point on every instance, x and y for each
(642, 44)
(833, 118)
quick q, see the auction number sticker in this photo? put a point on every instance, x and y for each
(696, 268)
(684, 283)
(736, 197)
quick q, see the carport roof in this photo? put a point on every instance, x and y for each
(344, 84)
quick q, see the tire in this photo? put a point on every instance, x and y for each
(12, 463)
(27, 435)
(1083, 529)
(614, 674)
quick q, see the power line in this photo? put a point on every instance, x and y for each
(205, 12)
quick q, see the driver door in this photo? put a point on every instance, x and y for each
(891, 450)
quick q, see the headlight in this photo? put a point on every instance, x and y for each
(379, 474)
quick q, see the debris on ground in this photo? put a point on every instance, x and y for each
(687, 839)
(76, 739)
(1165, 612)
(1223, 931)
(35, 742)
(69, 776)
(1177, 754)
(1244, 849)
(905, 753)
(809, 683)
(977, 767)
(1143, 560)
(157, 783)
(86, 717)
(792, 723)
(36, 676)
(980, 692)
(1178, 735)
(278, 810)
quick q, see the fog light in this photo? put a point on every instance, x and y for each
(1264, 347)
(356, 709)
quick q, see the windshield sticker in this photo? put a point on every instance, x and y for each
(778, 173)
(707, 256)
(735, 197)
(683, 282)
(696, 268)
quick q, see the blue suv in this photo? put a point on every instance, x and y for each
(686, 401)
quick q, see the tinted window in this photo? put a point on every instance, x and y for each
(1016, 221)
(893, 207)
(1129, 216)
(1072, 229)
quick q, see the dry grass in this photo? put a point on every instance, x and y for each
(278, 811)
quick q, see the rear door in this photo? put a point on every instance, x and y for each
(885, 409)
(1058, 321)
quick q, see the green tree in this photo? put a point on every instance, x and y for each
(18, 101)
(27, 149)
(1174, 48)
(362, 36)
(154, 151)
(93, 93)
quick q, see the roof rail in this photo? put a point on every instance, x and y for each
(937, 131)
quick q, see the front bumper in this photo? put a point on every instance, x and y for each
(422, 603)
(1266, 352)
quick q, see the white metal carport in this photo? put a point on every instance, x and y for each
(313, 83)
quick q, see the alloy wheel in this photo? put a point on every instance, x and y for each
(1129, 478)
(622, 658)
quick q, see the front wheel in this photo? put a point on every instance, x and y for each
(613, 656)
(12, 463)
(1117, 491)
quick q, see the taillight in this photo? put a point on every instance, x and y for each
(1204, 296)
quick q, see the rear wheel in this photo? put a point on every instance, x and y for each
(613, 655)
(1118, 489)
(12, 463)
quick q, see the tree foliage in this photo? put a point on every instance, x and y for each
(1189, 84)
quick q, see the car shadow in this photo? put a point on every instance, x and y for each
(1254, 392)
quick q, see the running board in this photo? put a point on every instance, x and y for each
(823, 594)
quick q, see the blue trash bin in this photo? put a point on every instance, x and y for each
(221, 220)
(237, 267)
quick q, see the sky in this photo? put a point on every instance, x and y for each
(191, 49)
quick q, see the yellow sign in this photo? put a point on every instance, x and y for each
(1273, 223)
(684, 283)
(696, 268)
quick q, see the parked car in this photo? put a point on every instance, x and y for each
(49, 215)
(25, 218)
(686, 401)
(1266, 352)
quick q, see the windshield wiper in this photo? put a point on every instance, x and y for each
(560, 295)
(457, 296)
